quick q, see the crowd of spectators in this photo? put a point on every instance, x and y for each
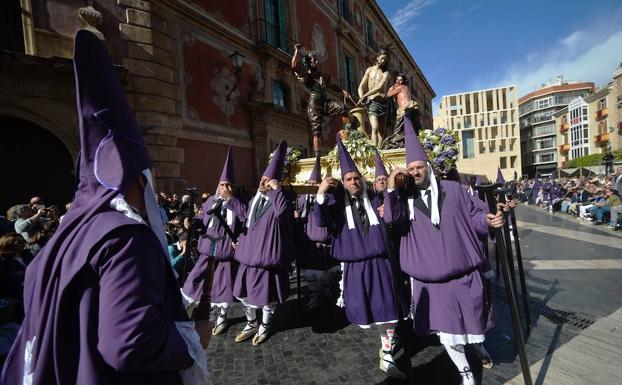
(597, 199)
(27, 227)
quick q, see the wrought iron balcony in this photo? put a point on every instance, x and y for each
(270, 36)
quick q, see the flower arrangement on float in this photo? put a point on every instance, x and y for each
(441, 146)
(362, 151)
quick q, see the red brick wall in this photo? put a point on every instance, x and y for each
(308, 11)
(236, 15)
(202, 64)
(204, 161)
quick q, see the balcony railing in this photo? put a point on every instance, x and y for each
(272, 35)
(601, 139)
(563, 128)
(601, 114)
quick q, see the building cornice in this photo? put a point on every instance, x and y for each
(555, 89)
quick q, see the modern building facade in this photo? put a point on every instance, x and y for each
(487, 122)
(591, 125)
(538, 131)
(200, 74)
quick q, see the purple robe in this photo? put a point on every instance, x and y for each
(311, 254)
(369, 291)
(264, 253)
(101, 299)
(444, 261)
(215, 243)
(102, 306)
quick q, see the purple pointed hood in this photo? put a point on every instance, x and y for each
(113, 152)
(414, 149)
(380, 170)
(227, 174)
(275, 167)
(500, 178)
(316, 173)
(112, 156)
(345, 160)
(478, 180)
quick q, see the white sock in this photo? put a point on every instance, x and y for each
(222, 316)
(267, 313)
(251, 317)
(456, 353)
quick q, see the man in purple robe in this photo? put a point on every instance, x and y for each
(102, 304)
(220, 210)
(265, 252)
(441, 251)
(380, 180)
(313, 246)
(360, 243)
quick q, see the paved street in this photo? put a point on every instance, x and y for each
(573, 274)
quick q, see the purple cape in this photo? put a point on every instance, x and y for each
(100, 297)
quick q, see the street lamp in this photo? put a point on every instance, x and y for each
(237, 59)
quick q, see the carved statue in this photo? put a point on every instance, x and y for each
(320, 107)
(405, 106)
(372, 92)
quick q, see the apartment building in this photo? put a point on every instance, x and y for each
(487, 122)
(591, 125)
(538, 132)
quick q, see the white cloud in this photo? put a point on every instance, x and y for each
(402, 19)
(583, 56)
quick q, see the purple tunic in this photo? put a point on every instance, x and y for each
(444, 261)
(369, 292)
(215, 243)
(101, 299)
(265, 252)
(311, 254)
(102, 309)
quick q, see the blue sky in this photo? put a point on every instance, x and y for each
(465, 45)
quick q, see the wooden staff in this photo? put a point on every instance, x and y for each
(509, 285)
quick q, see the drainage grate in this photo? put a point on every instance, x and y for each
(539, 308)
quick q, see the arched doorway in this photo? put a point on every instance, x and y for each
(34, 163)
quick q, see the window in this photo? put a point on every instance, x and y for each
(11, 33)
(602, 103)
(369, 28)
(468, 144)
(348, 74)
(503, 162)
(276, 26)
(344, 10)
(280, 95)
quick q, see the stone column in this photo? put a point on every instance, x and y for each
(153, 88)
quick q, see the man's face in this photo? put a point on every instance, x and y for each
(399, 80)
(619, 171)
(222, 186)
(419, 171)
(382, 59)
(263, 184)
(353, 183)
(380, 184)
(313, 62)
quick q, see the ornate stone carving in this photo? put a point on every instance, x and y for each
(222, 82)
(318, 43)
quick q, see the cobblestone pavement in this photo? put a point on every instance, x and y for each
(323, 348)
